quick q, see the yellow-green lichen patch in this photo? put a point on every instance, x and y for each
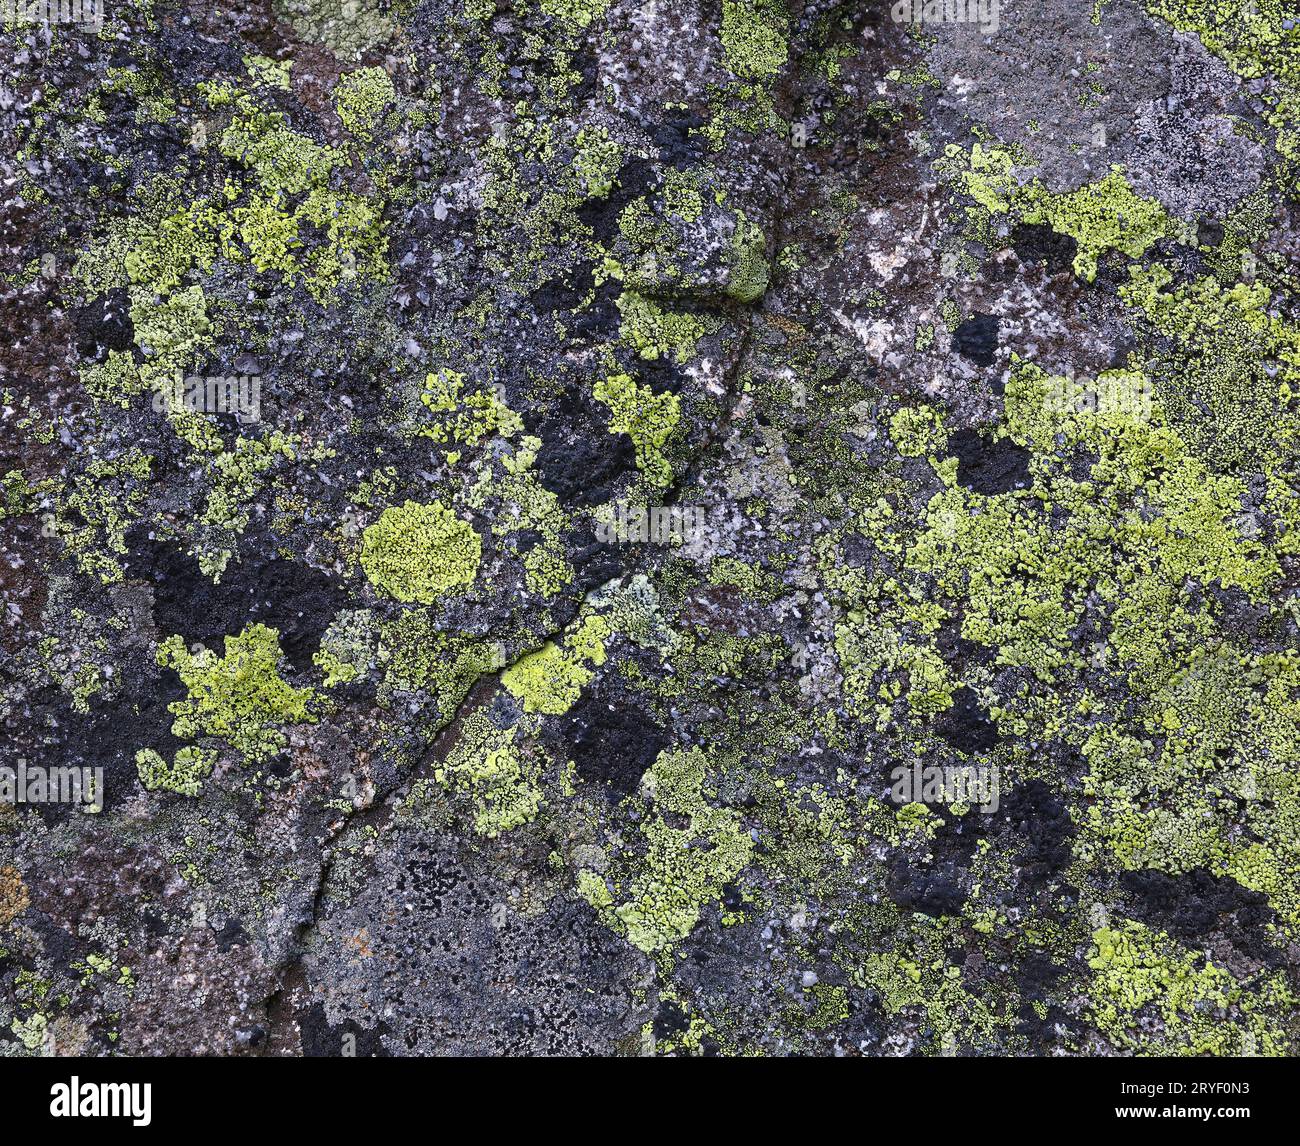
(656, 898)
(464, 418)
(93, 518)
(496, 775)
(527, 506)
(649, 419)
(415, 655)
(418, 552)
(267, 72)
(654, 332)
(596, 161)
(579, 13)
(748, 258)
(360, 100)
(240, 698)
(185, 775)
(551, 679)
(754, 37)
(934, 990)
(1201, 1008)
(1232, 384)
(1255, 38)
(286, 186)
(1099, 216)
(236, 476)
(1147, 517)
(172, 333)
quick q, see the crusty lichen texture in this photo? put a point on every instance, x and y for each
(691, 852)
(239, 698)
(607, 527)
(418, 552)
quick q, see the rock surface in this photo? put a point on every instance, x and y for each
(599, 527)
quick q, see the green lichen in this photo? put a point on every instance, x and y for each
(495, 774)
(1201, 1007)
(239, 698)
(466, 419)
(416, 655)
(93, 518)
(1255, 38)
(579, 13)
(754, 37)
(185, 775)
(172, 333)
(267, 72)
(1099, 216)
(361, 98)
(649, 419)
(551, 679)
(748, 260)
(692, 850)
(417, 552)
(1231, 383)
(236, 476)
(596, 161)
(347, 648)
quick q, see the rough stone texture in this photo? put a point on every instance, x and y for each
(753, 527)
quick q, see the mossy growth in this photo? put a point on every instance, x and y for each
(754, 37)
(495, 774)
(692, 851)
(240, 698)
(185, 775)
(418, 552)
